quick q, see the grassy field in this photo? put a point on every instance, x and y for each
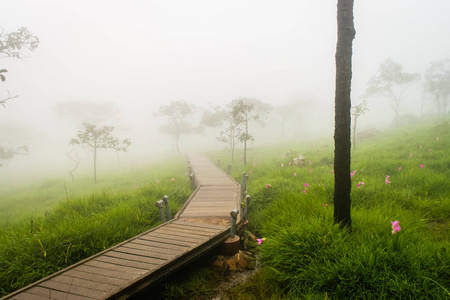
(401, 175)
(82, 219)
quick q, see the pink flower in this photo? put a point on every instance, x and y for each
(260, 241)
(295, 174)
(310, 170)
(387, 181)
(421, 166)
(282, 165)
(420, 146)
(136, 186)
(360, 183)
(437, 138)
(399, 168)
(306, 185)
(411, 155)
(250, 172)
(172, 179)
(326, 205)
(304, 191)
(268, 186)
(429, 150)
(290, 162)
(332, 171)
(157, 181)
(395, 226)
(310, 162)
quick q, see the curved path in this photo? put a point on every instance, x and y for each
(125, 269)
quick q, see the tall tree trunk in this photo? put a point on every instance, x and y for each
(342, 181)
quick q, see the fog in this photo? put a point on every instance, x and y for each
(115, 63)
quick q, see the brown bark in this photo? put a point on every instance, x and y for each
(342, 185)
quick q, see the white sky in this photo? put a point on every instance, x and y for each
(142, 54)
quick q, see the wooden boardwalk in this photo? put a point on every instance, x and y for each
(125, 269)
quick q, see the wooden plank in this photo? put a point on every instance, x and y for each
(48, 293)
(200, 225)
(209, 231)
(114, 267)
(108, 273)
(95, 277)
(126, 262)
(136, 258)
(182, 230)
(148, 248)
(73, 289)
(86, 283)
(29, 296)
(168, 248)
(155, 255)
(165, 240)
(178, 237)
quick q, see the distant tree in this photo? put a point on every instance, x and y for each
(243, 111)
(179, 114)
(7, 154)
(99, 138)
(12, 45)
(291, 110)
(437, 83)
(357, 111)
(342, 181)
(391, 82)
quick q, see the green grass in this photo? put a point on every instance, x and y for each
(86, 221)
(306, 256)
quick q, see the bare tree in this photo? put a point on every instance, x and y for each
(342, 181)
(357, 111)
(76, 160)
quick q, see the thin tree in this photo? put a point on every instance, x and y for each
(219, 116)
(243, 112)
(391, 82)
(76, 160)
(437, 83)
(99, 138)
(357, 111)
(178, 113)
(342, 181)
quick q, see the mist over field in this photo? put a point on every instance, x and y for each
(115, 63)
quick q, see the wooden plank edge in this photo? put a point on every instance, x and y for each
(169, 268)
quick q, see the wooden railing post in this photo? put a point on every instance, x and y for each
(234, 214)
(160, 204)
(166, 203)
(228, 169)
(247, 206)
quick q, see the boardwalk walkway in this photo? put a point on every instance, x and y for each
(125, 269)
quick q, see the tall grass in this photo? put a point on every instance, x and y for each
(85, 221)
(306, 256)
